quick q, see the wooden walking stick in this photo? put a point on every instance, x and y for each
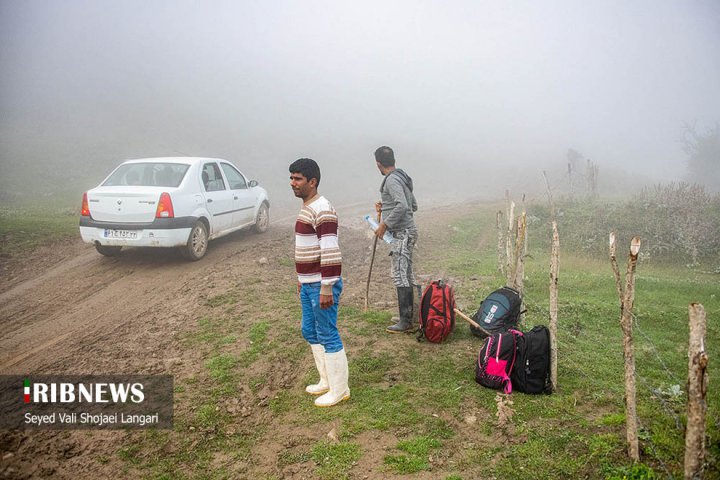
(472, 322)
(372, 260)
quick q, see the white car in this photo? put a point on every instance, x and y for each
(171, 202)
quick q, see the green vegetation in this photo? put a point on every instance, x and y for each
(416, 458)
(222, 299)
(25, 228)
(415, 407)
(678, 225)
(335, 460)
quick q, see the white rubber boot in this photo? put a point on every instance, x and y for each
(337, 372)
(322, 386)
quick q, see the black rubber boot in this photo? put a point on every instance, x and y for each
(415, 314)
(405, 305)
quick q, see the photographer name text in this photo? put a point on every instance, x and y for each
(97, 419)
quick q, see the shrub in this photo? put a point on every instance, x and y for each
(676, 222)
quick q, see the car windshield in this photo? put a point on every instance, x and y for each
(148, 175)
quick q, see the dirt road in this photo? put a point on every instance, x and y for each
(67, 310)
(86, 297)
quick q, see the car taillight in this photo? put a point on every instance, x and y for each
(165, 207)
(85, 209)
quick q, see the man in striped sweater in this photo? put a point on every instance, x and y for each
(318, 263)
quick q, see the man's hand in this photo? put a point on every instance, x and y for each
(298, 289)
(326, 301)
(381, 230)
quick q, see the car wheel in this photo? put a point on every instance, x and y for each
(197, 242)
(108, 250)
(263, 218)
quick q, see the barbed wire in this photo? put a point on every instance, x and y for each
(576, 366)
(656, 362)
(637, 328)
(655, 394)
(655, 453)
(658, 394)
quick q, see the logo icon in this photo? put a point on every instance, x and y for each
(26, 391)
(491, 314)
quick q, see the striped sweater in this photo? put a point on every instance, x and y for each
(317, 253)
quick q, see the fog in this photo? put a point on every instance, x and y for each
(474, 96)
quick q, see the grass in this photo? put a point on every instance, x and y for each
(229, 298)
(422, 395)
(25, 228)
(590, 364)
(335, 460)
(416, 454)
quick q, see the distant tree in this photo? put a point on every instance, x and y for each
(703, 151)
(592, 171)
(573, 159)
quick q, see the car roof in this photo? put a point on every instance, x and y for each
(185, 160)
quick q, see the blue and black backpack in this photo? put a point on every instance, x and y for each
(499, 312)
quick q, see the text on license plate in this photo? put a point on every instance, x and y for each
(120, 233)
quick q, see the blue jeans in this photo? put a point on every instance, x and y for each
(320, 325)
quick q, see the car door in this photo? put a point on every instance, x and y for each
(244, 199)
(218, 198)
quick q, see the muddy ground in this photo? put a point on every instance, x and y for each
(64, 309)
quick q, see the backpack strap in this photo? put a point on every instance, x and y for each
(421, 329)
(508, 386)
(444, 292)
(435, 284)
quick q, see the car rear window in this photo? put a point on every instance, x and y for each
(148, 175)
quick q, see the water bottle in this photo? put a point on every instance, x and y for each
(388, 238)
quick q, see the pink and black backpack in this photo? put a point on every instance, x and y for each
(496, 360)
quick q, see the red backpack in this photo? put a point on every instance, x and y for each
(437, 312)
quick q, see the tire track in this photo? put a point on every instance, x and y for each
(77, 299)
(87, 295)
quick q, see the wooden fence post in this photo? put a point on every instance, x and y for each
(696, 390)
(554, 273)
(616, 269)
(500, 244)
(510, 261)
(626, 322)
(525, 243)
(553, 216)
(519, 265)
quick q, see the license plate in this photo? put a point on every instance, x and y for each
(132, 234)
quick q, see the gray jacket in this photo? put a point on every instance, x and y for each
(398, 201)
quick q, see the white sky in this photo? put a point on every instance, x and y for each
(468, 84)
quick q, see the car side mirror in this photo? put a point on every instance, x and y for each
(253, 183)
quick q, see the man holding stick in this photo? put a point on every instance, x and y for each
(318, 263)
(396, 206)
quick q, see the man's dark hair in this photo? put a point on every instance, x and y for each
(385, 156)
(307, 167)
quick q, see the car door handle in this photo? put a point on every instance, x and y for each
(235, 198)
(209, 200)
